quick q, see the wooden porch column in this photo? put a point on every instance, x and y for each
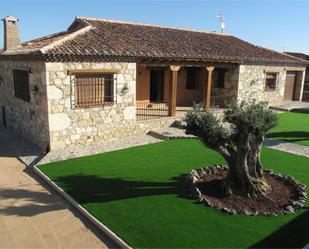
(303, 73)
(173, 90)
(207, 94)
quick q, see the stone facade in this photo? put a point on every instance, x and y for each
(71, 125)
(252, 83)
(252, 80)
(51, 118)
(29, 119)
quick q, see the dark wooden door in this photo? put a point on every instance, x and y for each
(156, 85)
(289, 85)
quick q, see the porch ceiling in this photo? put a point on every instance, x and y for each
(187, 63)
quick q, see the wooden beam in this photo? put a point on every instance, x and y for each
(173, 90)
(93, 71)
(207, 95)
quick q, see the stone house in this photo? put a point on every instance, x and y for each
(105, 79)
(305, 96)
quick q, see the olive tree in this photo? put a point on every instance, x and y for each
(238, 136)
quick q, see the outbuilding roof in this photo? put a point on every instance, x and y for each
(299, 55)
(92, 39)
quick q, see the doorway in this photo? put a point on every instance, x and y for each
(156, 85)
(3, 116)
(290, 83)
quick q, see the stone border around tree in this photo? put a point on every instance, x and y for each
(193, 177)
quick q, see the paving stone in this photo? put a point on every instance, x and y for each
(293, 148)
(32, 217)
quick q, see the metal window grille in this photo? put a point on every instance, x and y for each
(90, 90)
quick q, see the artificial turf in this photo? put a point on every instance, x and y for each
(292, 127)
(138, 194)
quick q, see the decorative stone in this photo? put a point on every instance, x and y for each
(54, 93)
(206, 201)
(297, 204)
(290, 209)
(129, 113)
(59, 121)
(198, 174)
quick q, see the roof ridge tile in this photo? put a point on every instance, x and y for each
(149, 25)
(65, 38)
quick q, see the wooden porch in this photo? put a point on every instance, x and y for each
(161, 110)
(166, 91)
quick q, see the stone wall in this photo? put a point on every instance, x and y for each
(29, 119)
(72, 125)
(51, 118)
(252, 83)
(222, 96)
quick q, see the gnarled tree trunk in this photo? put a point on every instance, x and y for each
(245, 176)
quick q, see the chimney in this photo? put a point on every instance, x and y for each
(11, 35)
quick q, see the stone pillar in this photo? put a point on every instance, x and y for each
(173, 90)
(207, 93)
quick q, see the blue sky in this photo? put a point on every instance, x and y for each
(280, 25)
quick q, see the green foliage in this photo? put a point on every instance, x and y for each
(207, 126)
(137, 193)
(253, 118)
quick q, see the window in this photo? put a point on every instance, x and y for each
(218, 78)
(192, 78)
(94, 89)
(21, 84)
(271, 81)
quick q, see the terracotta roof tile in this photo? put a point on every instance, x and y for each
(108, 38)
(299, 55)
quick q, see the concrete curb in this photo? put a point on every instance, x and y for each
(82, 210)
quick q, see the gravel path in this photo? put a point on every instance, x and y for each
(293, 148)
(105, 146)
(31, 155)
(302, 150)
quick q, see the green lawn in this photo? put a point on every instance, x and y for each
(138, 194)
(292, 127)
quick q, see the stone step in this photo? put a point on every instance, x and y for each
(179, 124)
(169, 133)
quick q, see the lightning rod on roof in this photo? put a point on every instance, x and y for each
(222, 23)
